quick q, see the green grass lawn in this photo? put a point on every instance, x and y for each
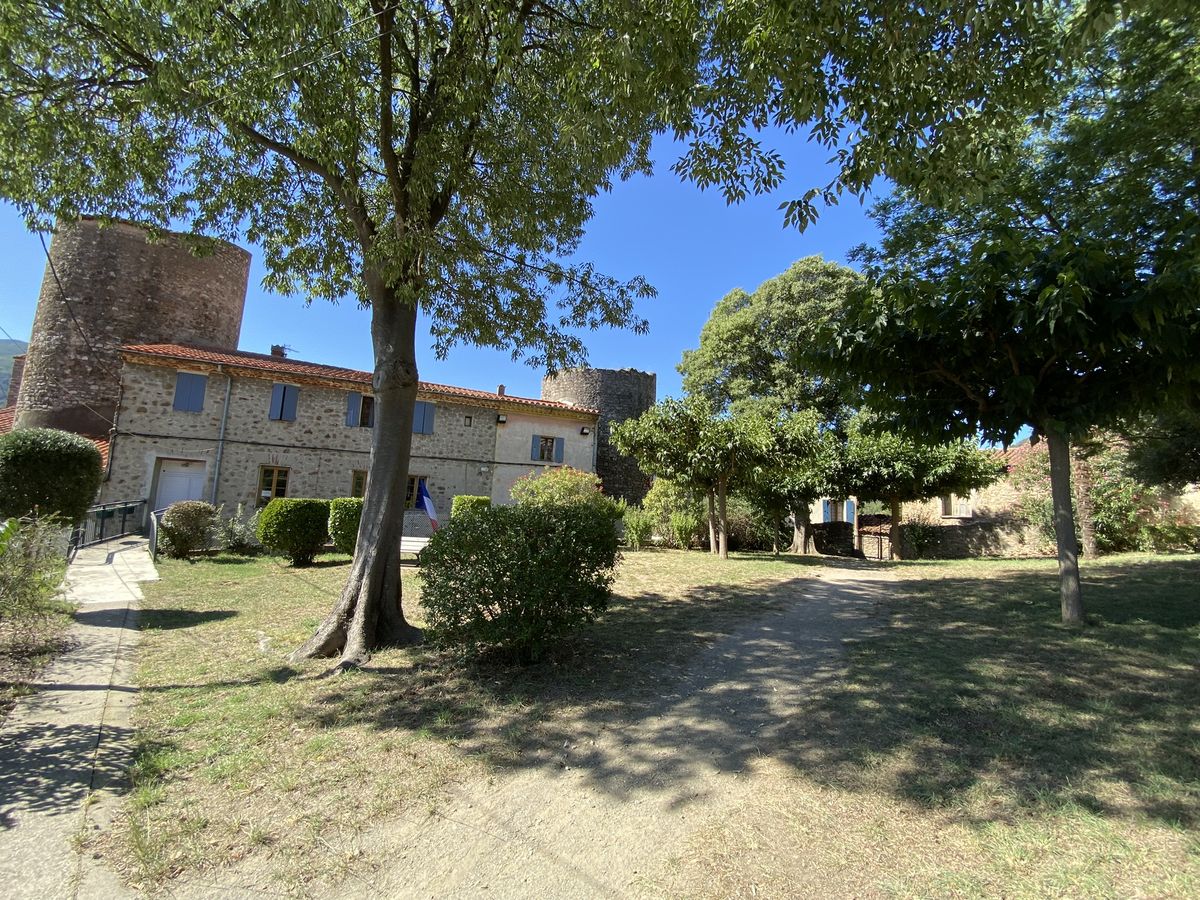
(977, 747)
(239, 752)
(974, 745)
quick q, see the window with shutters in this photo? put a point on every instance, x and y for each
(358, 482)
(360, 410)
(189, 391)
(423, 415)
(284, 399)
(547, 449)
(272, 483)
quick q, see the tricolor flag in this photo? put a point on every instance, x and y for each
(425, 502)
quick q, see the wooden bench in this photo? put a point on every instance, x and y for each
(413, 545)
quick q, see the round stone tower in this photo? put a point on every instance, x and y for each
(619, 394)
(106, 287)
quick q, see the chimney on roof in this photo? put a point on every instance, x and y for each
(279, 350)
(14, 384)
(500, 390)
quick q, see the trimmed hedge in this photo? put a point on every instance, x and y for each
(295, 527)
(53, 472)
(186, 526)
(516, 579)
(468, 503)
(345, 514)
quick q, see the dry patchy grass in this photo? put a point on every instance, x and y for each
(27, 645)
(241, 754)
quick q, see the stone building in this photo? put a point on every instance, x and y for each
(134, 346)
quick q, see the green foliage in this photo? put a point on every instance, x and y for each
(639, 527)
(685, 525)
(564, 486)
(32, 564)
(666, 498)
(294, 527)
(516, 579)
(345, 514)
(921, 534)
(751, 527)
(239, 533)
(1165, 448)
(187, 526)
(751, 348)
(465, 504)
(48, 471)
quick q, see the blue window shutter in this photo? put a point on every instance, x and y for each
(422, 418)
(537, 444)
(559, 444)
(427, 420)
(200, 385)
(290, 397)
(353, 405)
(825, 510)
(189, 391)
(276, 402)
(849, 510)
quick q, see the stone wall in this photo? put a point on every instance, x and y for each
(121, 290)
(618, 394)
(320, 451)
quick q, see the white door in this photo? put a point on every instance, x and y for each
(179, 479)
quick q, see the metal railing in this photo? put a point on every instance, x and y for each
(107, 521)
(155, 520)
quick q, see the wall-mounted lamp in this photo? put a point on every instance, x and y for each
(585, 431)
(501, 419)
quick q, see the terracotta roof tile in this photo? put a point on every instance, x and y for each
(278, 365)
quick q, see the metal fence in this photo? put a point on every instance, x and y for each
(106, 521)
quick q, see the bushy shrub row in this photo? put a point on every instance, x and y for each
(345, 514)
(44, 472)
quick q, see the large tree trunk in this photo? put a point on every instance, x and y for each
(896, 532)
(722, 517)
(368, 615)
(1064, 528)
(712, 524)
(1083, 504)
(801, 530)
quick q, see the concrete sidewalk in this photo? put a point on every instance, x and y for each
(64, 750)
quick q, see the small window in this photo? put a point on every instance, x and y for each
(423, 414)
(410, 492)
(360, 410)
(358, 483)
(956, 507)
(189, 391)
(272, 483)
(467, 421)
(547, 449)
(284, 398)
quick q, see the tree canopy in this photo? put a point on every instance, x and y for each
(1064, 295)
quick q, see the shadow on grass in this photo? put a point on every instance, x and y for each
(971, 688)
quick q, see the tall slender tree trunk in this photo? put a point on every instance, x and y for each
(895, 531)
(368, 615)
(1069, 588)
(712, 523)
(1082, 482)
(801, 529)
(722, 517)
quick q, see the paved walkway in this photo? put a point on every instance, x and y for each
(64, 750)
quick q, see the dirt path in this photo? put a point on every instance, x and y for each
(606, 814)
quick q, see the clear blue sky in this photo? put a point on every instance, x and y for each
(689, 244)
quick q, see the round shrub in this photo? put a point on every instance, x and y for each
(344, 515)
(565, 486)
(53, 472)
(186, 526)
(468, 503)
(296, 527)
(516, 579)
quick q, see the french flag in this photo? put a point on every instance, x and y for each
(425, 502)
